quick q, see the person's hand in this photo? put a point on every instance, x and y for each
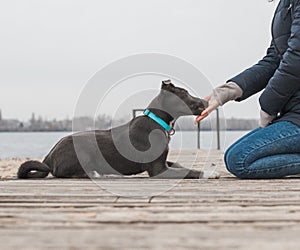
(265, 119)
(212, 105)
(220, 95)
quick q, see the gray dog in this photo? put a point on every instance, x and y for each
(138, 146)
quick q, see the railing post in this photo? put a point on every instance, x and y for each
(198, 135)
(198, 128)
(218, 130)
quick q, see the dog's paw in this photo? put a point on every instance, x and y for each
(211, 175)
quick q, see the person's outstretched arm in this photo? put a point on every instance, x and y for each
(279, 77)
(245, 84)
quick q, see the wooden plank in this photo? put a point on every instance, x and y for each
(142, 213)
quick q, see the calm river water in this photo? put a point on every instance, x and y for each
(37, 145)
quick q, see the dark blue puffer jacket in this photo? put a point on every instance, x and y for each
(278, 73)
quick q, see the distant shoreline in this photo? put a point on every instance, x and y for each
(103, 123)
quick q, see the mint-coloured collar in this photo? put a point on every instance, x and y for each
(160, 121)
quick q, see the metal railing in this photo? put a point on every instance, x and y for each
(134, 111)
(134, 114)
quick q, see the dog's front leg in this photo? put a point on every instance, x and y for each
(207, 174)
(174, 164)
(163, 171)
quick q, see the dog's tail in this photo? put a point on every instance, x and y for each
(33, 169)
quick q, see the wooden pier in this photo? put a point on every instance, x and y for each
(141, 213)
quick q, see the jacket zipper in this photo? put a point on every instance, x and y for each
(273, 40)
(288, 11)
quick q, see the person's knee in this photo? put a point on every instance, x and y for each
(235, 162)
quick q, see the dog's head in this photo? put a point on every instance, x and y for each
(178, 102)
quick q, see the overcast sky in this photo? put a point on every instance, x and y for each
(50, 48)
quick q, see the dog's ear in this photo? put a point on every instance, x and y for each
(167, 85)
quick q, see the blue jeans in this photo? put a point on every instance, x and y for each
(271, 152)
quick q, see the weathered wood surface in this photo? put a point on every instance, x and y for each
(193, 214)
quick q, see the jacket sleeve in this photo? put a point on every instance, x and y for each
(286, 80)
(256, 78)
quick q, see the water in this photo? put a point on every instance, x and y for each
(37, 145)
